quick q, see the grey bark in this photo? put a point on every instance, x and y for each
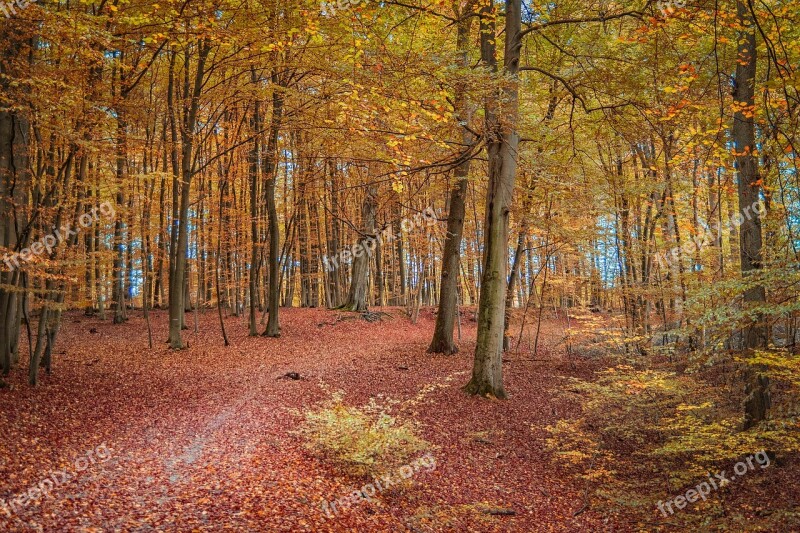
(502, 144)
(359, 284)
(271, 173)
(754, 335)
(442, 341)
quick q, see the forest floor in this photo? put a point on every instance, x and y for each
(203, 439)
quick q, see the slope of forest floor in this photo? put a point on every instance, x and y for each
(203, 439)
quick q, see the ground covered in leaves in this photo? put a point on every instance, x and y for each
(203, 439)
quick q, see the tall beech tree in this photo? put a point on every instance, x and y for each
(502, 140)
(749, 182)
(442, 341)
(271, 175)
(194, 52)
(15, 185)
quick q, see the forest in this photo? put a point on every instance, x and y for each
(402, 265)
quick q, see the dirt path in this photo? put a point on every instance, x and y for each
(201, 440)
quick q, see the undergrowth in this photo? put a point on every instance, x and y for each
(650, 429)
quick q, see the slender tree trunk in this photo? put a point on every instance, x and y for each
(254, 233)
(331, 262)
(162, 234)
(442, 341)
(750, 240)
(512, 282)
(118, 292)
(271, 174)
(402, 280)
(217, 282)
(178, 277)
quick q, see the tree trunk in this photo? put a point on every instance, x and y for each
(255, 252)
(750, 240)
(442, 341)
(502, 144)
(359, 285)
(512, 282)
(118, 291)
(180, 227)
(271, 174)
(402, 275)
(330, 262)
(15, 183)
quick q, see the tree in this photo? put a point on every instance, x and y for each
(15, 183)
(501, 112)
(271, 172)
(180, 226)
(754, 335)
(442, 341)
(362, 252)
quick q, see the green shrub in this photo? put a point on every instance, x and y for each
(366, 440)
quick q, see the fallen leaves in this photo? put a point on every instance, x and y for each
(203, 440)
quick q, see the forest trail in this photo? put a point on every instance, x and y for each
(202, 439)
